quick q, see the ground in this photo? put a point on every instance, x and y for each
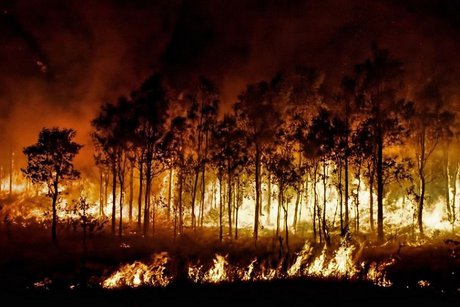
(33, 270)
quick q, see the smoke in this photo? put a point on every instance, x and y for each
(60, 60)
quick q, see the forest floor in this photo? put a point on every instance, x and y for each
(32, 269)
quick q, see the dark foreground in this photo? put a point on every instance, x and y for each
(282, 293)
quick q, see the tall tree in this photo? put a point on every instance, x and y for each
(378, 81)
(257, 114)
(228, 153)
(151, 102)
(50, 162)
(201, 114)
(428, 126)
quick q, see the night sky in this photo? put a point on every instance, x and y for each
(59, 60)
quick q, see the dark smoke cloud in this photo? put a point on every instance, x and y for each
(59, 60)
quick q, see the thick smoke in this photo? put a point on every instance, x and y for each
(59, 60)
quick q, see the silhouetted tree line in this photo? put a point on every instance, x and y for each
(291, 138)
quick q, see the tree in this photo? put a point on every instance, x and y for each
(150, 102)
(285, 174)
(429, 123)
(50, 162)
(257, 113)
(106, 145)
(229, 154)
(377, 82)
(202, 116)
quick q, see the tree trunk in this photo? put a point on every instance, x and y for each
(447, 178)
(114, 194)
(220, 208)
(454, 197)
(121, 180)
(54, 203)
(84, 226)
(299, 193)
(286, 228)
(379, 144)
(346, 220)
(421, 171)
(203, 178)
(120, 221)
(269, 196)
(421, 204)
(139, 197)
(106, 190)
(357, 199)
(148, 186)
(181, 213)
(325, 230)
(256, 211)
(315, 201)
(371, 196)
(101, 192)
(340, 188)
(11, 173)
(131, 191)
(278, 215)
(237, 200)
(195, 185)
(169, 192)
(230, 204)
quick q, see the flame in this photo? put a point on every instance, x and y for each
(338, 264)
(377, 273)
(216, 274)
(140, 274)
(423, 283)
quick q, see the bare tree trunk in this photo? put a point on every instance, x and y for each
(285, 206)
(131, 190)
(269, 196)
(278, 214)
(139, 198)
(454, 197)
(106, 189)
(371, 196)
(357, 199)
(121, 178)
(315, 201)
(340, 188)
(379, 144)
(346, 220)
(220, 208)
(422, 182)
(256, 211)
(169, 192)
(54, 203)
(114, 194)
(181, 213)
(195, 184)
(101, 192)
(11, 173)
(325, 230)
(298, 196)
(148, 186)
(237, 200)
(203, 179)
(230, 204)
(446, 178)
(120, 221)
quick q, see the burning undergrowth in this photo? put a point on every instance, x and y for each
(341, 263)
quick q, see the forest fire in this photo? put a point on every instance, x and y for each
(337, 265)
(160, 147)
